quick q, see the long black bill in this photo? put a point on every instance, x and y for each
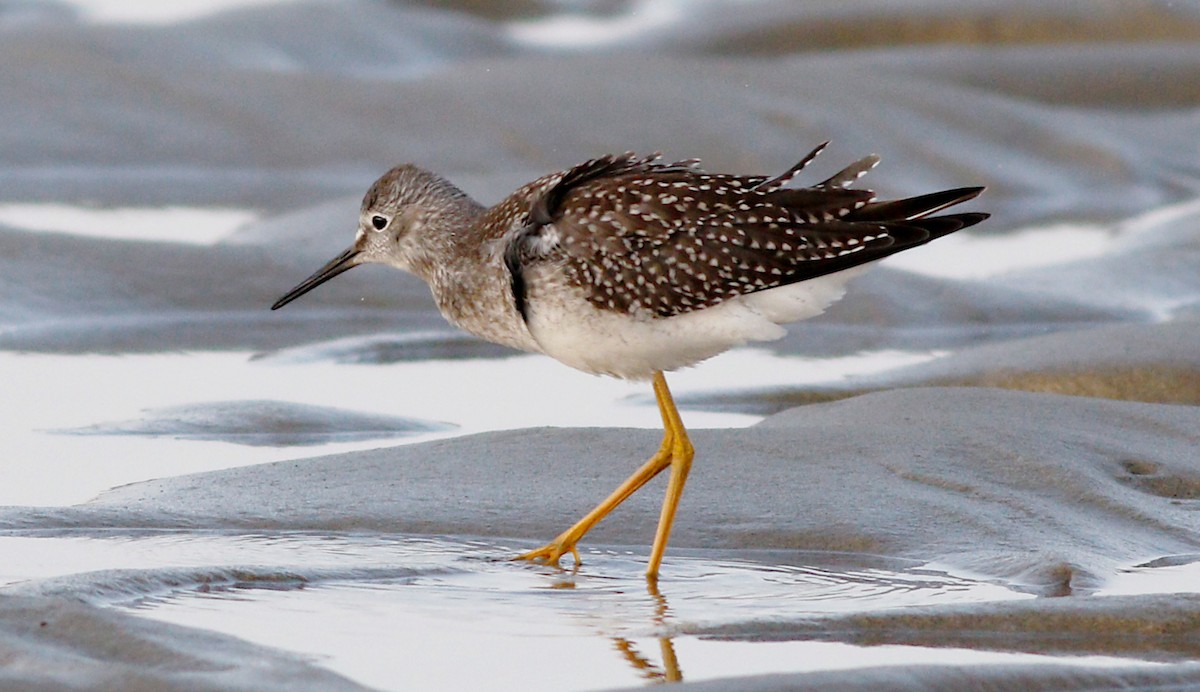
(337, 265)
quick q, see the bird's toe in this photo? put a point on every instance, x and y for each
(551, 553)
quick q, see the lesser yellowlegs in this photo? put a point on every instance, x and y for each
(630, 267)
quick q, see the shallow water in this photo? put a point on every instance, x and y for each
(349, 600)
(398, 612)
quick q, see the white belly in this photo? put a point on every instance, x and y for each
(570, 329)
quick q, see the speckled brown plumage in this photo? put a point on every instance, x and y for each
(665, 239)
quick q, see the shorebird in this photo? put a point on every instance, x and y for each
(631, 267)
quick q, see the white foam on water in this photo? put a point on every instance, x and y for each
(192, 225)
(63, 392)
(976, 256)
(571, 30)
(142, 12)
(1142, 579)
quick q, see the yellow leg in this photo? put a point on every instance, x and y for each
(675, 452)
(681, 463)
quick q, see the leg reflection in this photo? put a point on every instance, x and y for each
(669, 671)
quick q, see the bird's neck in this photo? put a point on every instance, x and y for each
(460, 262)
(441, 235)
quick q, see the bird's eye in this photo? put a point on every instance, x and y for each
(379, 222)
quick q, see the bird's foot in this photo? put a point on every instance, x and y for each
(552, 552)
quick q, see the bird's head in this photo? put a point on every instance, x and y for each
(406, 218)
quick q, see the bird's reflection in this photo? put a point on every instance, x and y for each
(669, 670)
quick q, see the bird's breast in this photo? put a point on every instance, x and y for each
(479, 300)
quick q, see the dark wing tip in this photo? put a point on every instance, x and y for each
(935, 227)
(972, 218)
(969, 193)
(918, 207)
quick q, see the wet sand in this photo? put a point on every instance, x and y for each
(1056, 491)
(1050, 494)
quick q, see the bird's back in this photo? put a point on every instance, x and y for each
(650, 247)
(642, 237)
